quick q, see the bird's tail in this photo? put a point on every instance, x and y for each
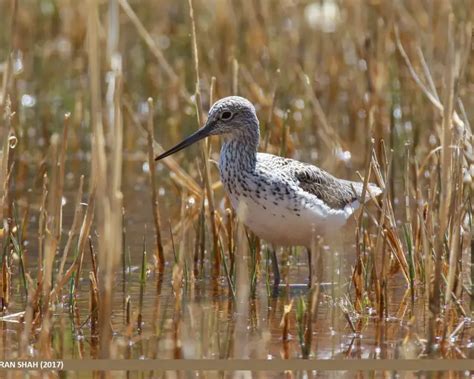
(372, 190)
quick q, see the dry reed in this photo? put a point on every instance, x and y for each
(159, 256)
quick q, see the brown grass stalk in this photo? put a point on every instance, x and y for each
(50, 246)
(51, 241)
(242, 289)
(74, 229)
(28, 320)
(106, 176)
(314, 294)
(142, 287)
(159, 255)
(285, 322)
(9, 142)
(446, 186)
(6, 214)
(61, 169)
(205, 147)
(81, 243)
(94, 306)
(41, 233)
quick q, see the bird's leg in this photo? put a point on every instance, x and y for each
(310, 267)
(276, 270)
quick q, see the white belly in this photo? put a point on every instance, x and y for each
(280, 226)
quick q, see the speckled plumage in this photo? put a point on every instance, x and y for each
(282, 200)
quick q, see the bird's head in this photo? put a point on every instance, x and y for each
(232, 116)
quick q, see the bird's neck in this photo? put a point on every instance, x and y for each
(240, 150)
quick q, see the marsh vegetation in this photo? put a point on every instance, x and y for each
(107, 254)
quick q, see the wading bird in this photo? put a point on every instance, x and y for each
(283, 201)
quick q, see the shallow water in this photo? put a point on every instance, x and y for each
(210, 324)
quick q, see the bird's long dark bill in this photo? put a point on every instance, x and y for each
(196, 136)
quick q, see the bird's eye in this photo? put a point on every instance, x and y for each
(226, 115)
